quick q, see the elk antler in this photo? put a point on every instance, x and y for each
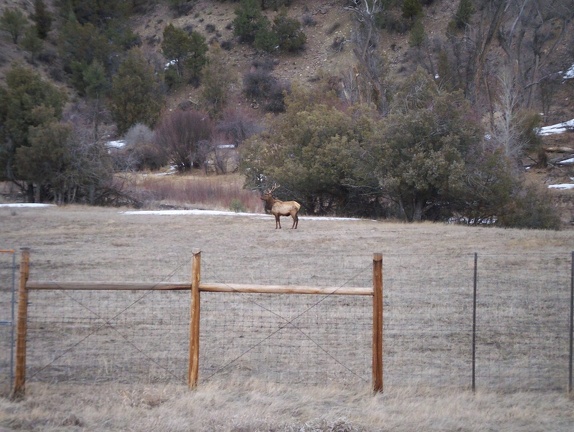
(275, 186)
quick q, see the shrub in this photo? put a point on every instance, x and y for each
(462, 15)
(236, 126)
(236, 206)
(181, 7)
(308, 20)
(227, 45)
(288, 32)
(276, 99)
(412, 9)
(531, 207)
(141, 151)
(181, 134)
(392, 22)
(258, 83)
(265, 38)
(13, 21)
(417, 34)
(266, 89)
(248, 20)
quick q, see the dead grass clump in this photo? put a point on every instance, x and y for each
(199, 191)
(256, 406)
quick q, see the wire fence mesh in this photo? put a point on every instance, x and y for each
(7, 317)
(522, 321)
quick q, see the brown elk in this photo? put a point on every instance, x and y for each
(281, 208)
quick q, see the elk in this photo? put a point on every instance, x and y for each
(281, 208)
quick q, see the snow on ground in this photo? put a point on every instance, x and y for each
(29, 205)
(221, 213)
(569, 74)
(557, 128)
(563, 186)
(185, 212)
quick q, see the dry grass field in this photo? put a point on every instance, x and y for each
(524, 281)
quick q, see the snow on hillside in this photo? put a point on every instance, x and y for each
(557, 128)
(569, 74)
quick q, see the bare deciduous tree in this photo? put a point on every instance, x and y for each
(369, 73)
(181, 134)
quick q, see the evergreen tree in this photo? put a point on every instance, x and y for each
(32, 43)
(14, 22)
(187, 54)
(27, 101)
(43, 19)
(97, 87)
(425, 146)
(216, 79)
(288, 33)
(136, 95)
(248, 20)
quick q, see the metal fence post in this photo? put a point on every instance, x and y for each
(571, 329)
(475, 286)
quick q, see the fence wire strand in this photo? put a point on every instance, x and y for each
(522, 321)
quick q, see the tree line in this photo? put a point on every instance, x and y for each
(445, 142)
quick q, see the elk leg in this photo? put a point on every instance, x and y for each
(295, 222)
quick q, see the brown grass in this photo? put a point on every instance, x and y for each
(193, 191)
(74, 242)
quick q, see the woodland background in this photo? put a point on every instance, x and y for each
(407, 109)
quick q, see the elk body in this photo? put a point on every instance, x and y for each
(280, 208)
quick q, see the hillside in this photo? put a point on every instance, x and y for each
(329, 53)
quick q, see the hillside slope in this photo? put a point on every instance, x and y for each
(330, 24)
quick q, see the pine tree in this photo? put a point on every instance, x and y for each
(136, 95)
(43, 19)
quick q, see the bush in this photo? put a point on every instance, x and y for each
(288, 32)
(308, 20)
(392, 22)
(412, 9)
(259, 83)
(531, 208)
(141, 151)
(265, 89)
(265, 38)
(462, 15)
(181, 135)
(236, 126)
(236, 206)
(276, 99)
(248, 20)
(417, 34)
(181, 7)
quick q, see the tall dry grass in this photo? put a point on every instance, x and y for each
(257, 406)
(220, 192)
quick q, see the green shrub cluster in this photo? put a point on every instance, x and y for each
(252, 27)
(426, 160)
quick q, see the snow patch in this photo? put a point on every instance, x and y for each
(556, 129)
(27, 205)
(564, 186)
(569, 74)
(116, 144)
(224, 213)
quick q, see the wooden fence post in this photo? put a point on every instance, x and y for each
(378, 322)
(193, 370)
(21, 329)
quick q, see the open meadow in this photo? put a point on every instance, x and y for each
(125, 368)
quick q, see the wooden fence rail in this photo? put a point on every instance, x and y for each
(196, 286)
